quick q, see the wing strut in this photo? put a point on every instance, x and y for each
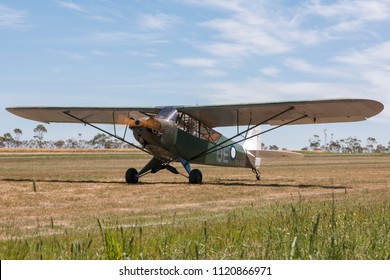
(107, 132)
(218, 146)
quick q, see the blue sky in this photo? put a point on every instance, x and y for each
(188, 52)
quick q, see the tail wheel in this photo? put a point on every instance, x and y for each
(195, 177)
(131, 176)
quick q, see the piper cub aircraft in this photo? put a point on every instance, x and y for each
(186, 134)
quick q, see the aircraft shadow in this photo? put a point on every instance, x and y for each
(278, 185)
(62, 181)
(219, 183)
(88, 182)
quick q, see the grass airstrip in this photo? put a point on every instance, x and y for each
(74, 204)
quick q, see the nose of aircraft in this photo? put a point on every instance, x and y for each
(150, 123)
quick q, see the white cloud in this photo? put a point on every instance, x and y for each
(302, 65)
(143, 53)
(242, 37)
(12, 19)
(348, 15)
(261, 28)
(225, 49)
(110, 37)
(100, 53)
(348, 9)
(196, 62)
(72, 55)
(94, 12)
(249, 28)
(159, 65)
(371, 66)
(376, 55)
(342, 27)
(159, 21)
(213, 73)
(71, 6)
(271, 71)
(256, 89)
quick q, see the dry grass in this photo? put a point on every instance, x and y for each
(46, 194)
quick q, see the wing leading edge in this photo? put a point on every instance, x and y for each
(305, 112)
(98, 115)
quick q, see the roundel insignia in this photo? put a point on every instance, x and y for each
(233, 152)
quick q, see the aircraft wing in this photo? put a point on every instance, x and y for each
(308, 112)
(87, 114)
(317, 111)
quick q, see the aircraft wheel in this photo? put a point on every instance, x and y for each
(195, 176)
(131, 176)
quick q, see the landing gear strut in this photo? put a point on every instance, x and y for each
(257, 172)
(156, 164)
(195, 176)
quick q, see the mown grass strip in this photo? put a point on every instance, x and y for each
(342, 227)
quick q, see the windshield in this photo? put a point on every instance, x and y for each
(168, 113)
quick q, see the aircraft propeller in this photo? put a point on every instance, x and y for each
(150, 123)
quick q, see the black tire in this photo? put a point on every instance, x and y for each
(131, 176)
(195, 177)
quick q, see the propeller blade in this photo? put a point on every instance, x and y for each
(150, 123)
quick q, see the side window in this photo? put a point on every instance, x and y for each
(196, 128)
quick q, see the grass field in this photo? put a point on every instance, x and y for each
(75, 205)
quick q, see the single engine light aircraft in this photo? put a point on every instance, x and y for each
(186, 134)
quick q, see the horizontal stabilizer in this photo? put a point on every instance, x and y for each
(275, 154)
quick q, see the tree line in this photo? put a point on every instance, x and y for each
(99, 141)
(348, 145)
(103, 141)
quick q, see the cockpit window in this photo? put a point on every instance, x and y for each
(168, 113)
(196, 128)
(188, 124)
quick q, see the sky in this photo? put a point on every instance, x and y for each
(195, 52)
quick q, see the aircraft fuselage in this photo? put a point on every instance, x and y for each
(172, 143)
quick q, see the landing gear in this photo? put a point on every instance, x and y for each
(131, 176)
(257, 172)
(155, 165)
(195, 177)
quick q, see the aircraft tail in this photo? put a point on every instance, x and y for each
(253, 147)
(254, 152)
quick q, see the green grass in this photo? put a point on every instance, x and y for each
(340, 227)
